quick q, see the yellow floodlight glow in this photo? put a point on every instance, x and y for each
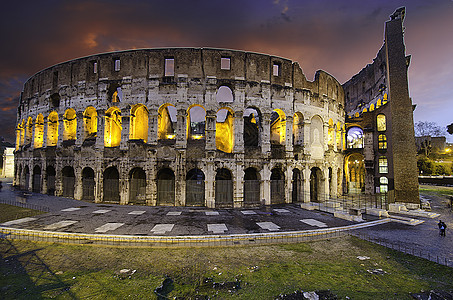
(170, 136)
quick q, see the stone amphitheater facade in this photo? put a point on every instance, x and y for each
(183, 127)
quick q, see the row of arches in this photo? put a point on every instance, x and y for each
(43, 132)
(165, 183)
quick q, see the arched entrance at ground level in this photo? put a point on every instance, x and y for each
(111, 182)
(88, 184)
(277, 186)
(26, 181)
(50, 179)
(37, 179)
(68, 181)
(297, 194)
(223, 188)
(355, 173)
(195, 188)
(137, 186)
(251, 187)
(166, 187)
(316, 188)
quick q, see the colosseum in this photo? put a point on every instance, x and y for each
(212, 127)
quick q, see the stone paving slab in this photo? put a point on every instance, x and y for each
(59, 225)
(217, 228)
(162, 228)
(18, 221)
(108, 227)
(314, 222)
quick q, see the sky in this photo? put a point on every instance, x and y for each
(339, 37)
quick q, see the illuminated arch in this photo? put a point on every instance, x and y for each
(29, 130)
(113, 126)
(355, 173)
(39, 131)
(252, 121)
(90, 122)
(298, 129)
(224, 94)
(381, 122)
(70, 125)
(166, 122)
(278, 127)
(196, 122)
(139, 123)
(224, 133)
(52, 129)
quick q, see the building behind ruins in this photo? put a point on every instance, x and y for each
(216, 128)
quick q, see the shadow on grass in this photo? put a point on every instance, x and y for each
(26, 276)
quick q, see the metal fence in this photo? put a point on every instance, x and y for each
(25, 204)
(408, 249)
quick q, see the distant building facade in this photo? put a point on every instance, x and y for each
(215, 128)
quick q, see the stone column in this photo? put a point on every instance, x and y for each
(266, 185)
(289, 134)
(289, 186)
(181, 139)
(325, 172)
(210, 130)
(60, 130)
(307, 138)
(100, 130)
(180, 177)
(125, 120)
(210, 185)
(78, 189)
(80, 135)
(306, 183)
(238, 128)
(239, 185)
(152, 127)
(44, 134)
(99, 183)
(266, 136)
(325, 143)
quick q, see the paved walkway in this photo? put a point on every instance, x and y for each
(69, 215)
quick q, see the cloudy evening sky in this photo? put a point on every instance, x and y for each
(340, 37)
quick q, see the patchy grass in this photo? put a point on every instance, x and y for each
(436, 190)
(11, 212)
(32, 270)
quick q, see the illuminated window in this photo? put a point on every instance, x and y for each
(355, 138)
(225, 63)
(381, 122)
(383, 167)
(383, 187)
(224, 94)
(39, 131)
(90, 122)
(117, 65)
(113, 126)
(382, 141)
(196, 121)
(70, 125)
(166, 118)
(139, 123)
(224, 134)
(28, 130)
(52, 129)
(169, 67)
(278, 127)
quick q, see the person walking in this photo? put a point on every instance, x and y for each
(442, 226)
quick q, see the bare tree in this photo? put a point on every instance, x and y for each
(428, 129)
(450, 128)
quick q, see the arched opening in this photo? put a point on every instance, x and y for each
(68, 181)
(166, 122)
(70, 125)
(331, 133)
(355, 173)
(223, 188)
(277, 186)
(196, 122)
(383, 185)
(50, 179)
(88, 184)
(166, 187)
(316, 189)
(252, 125)
(52, 129)
(90, 122)
(224, 94)
(297, 193)
(224, 133)
(139, 123)
(36, 179)
(195, 188)
(298, 129)
(29, 131)
(317, 137)
(115, 93)
(39, 131)
(278, 127)
(251, 187)
(26, 182)
(111, 185)
(137, 186)
(355, 138)
(113, 126)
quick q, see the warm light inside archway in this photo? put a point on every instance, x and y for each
(278, 127)
(139, 123)
(224, 134)
(113, 127)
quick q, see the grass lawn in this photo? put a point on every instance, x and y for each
(436, 190)
(32, 270)
(11, 212)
